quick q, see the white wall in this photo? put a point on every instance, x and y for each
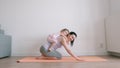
(114, 7)
(30, 21)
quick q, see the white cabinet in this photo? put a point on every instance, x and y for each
(5, 44)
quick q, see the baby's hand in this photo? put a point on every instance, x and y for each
(49, 50)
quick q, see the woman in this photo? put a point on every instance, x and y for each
(61, 41)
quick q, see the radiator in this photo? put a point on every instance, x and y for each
(112, 28)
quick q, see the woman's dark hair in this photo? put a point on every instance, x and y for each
(72, 33)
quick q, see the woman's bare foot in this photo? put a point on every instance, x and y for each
(42, 56)
(37, 58)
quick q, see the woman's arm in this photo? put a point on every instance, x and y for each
(63, 41)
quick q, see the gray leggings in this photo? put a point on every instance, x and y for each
(52, 53)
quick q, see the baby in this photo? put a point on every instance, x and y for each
(52, 38)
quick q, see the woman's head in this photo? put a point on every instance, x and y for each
(64, 32)
(71, 37)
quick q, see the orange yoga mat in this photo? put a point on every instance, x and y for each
(64, 59)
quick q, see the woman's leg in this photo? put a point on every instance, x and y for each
(52, 54)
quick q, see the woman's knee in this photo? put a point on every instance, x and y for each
(42, 50)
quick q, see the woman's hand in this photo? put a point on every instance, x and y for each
(78, 59)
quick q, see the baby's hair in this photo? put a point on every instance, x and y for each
(65, 29)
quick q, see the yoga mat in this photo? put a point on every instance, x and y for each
(64, 59)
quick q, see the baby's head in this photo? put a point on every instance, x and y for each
(64, 32)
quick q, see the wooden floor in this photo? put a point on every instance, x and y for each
(10, 62)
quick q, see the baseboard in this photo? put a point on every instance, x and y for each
(114, 53)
